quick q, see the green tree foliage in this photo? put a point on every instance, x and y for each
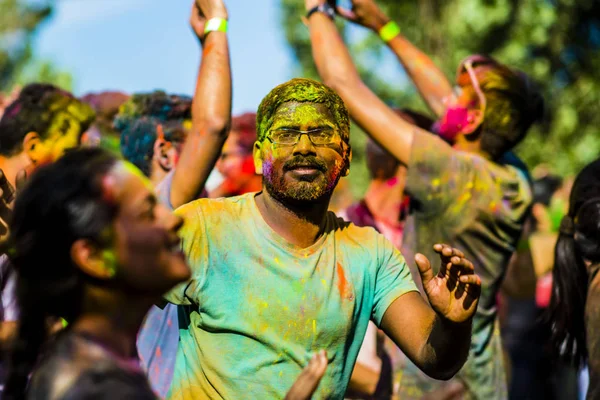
(556, 42)
(19, 20)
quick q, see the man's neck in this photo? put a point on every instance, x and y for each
(384, 201)
(468, 146)
(108, 322)
(11, 166)
(300, 224)
(157, 175)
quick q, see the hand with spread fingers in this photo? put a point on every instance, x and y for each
(454, 291)
(308, 381)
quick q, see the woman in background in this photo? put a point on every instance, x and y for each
(575, 303)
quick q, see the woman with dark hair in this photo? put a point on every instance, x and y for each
(93, 246)
(113, 252)
(575, 303)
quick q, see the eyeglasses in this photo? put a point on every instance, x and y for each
(289, 137)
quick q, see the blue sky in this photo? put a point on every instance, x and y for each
(142, 45)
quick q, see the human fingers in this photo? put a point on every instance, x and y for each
(424, 267)
(309, 378)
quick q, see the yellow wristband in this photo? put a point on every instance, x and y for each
(389, 31)
(215, 24)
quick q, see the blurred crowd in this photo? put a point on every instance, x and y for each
(155, 246)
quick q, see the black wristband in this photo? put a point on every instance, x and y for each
(324, 8)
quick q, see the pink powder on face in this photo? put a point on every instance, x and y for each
(451, 124)
(108, 189)
(392, 181)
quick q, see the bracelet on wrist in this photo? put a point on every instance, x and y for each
(324, 8)
(389, 31)
(215, 25)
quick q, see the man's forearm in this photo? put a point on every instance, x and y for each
(211, 106)
(364, 380)
(211, 116)
(447, 348)
(332, 59)
(337, 70)
(430, 81)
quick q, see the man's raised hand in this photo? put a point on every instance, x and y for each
(454, 291)
(202, 11)
(364, 12)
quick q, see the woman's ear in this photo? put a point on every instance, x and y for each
(474, 121)
(32, 146)
(165, 154)
(92, 260)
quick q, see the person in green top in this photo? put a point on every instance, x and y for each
(276, 277)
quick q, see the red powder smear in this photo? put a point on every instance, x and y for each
(158, 352)
(342, 281)
(108, 189)
(208, 49)
(392, 181)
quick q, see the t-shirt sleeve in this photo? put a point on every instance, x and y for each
(195, 247)
(436, 173)
(392, 278)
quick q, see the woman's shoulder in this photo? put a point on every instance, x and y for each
(76, 368)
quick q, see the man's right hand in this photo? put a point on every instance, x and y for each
(202, 11)
(366, 13)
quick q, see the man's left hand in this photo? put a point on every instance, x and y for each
(454, 291)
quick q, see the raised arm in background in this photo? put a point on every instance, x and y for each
(432, 84)
(211, 108)
(337, 71)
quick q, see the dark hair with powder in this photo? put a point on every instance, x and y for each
(302, 91)
(578, 243)
(514, 103)
(37, 109)
(139, 118)
(62, 202)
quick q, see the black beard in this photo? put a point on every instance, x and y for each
(303, 194)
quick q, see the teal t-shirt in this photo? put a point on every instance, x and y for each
(260, 306)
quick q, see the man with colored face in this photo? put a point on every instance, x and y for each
(276, 277)
(175, 141)
(466, 194)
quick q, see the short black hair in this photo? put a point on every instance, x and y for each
(302, 91)
(514, 103)
(37, 109)
(138, 120)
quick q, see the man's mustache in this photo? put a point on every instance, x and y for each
(305, 162)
